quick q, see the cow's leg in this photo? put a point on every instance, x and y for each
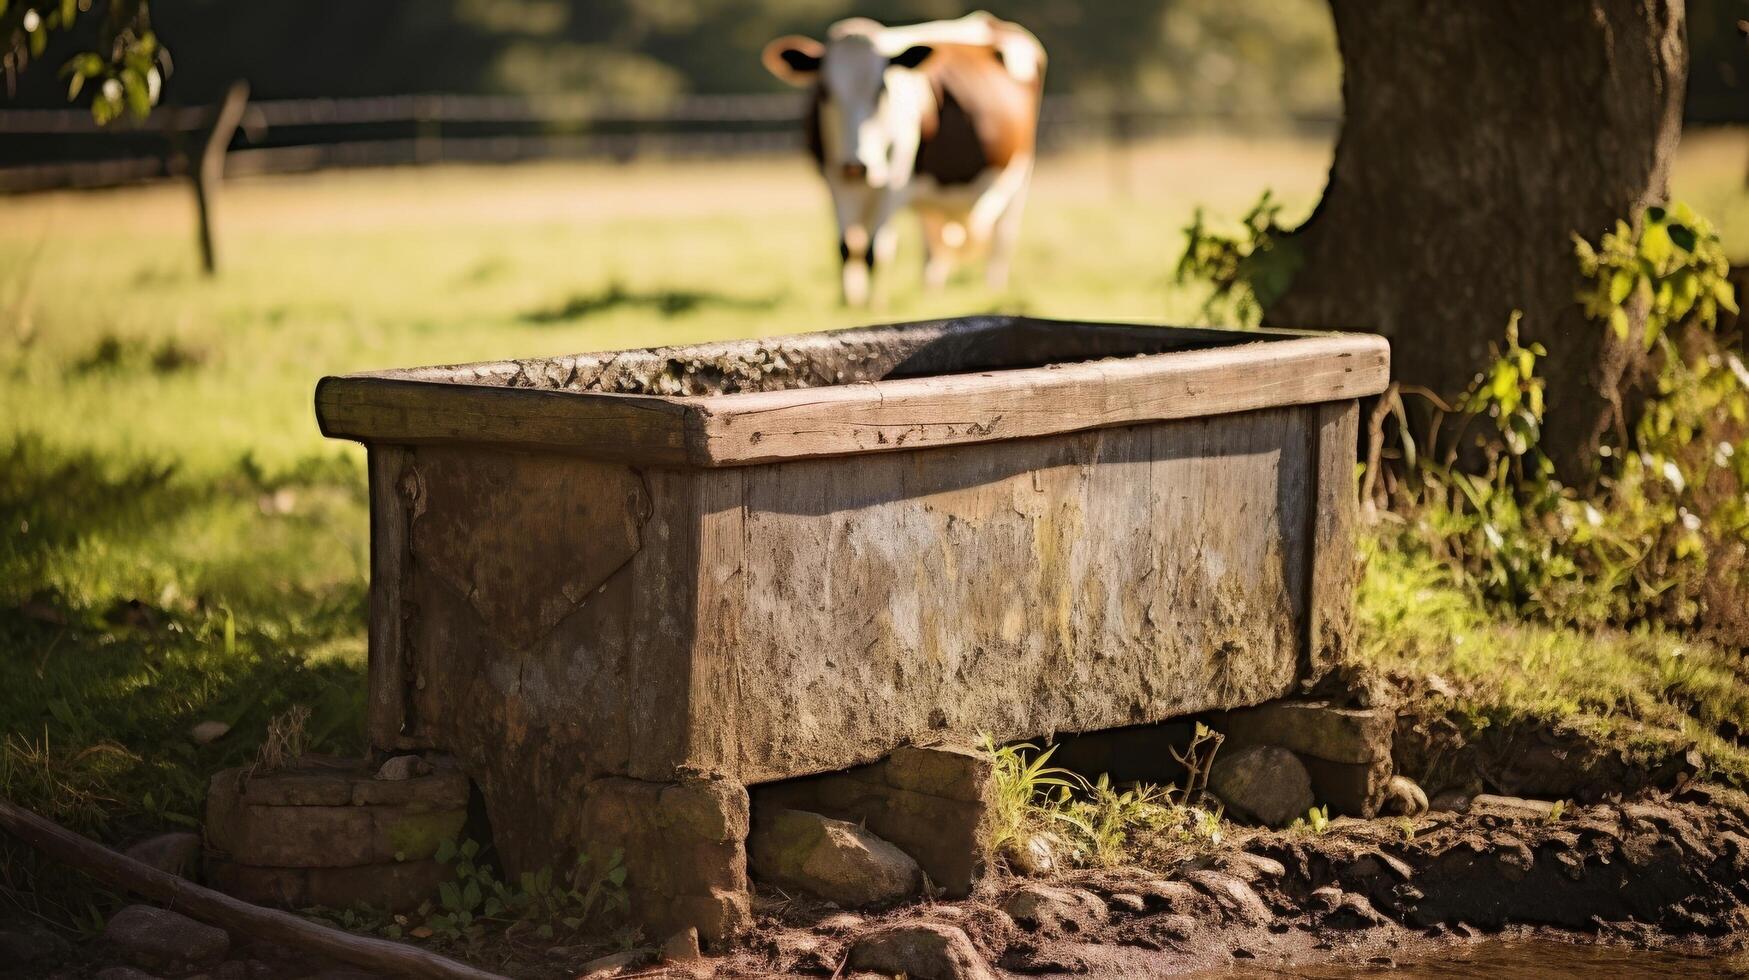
(851, 202)
(996, 216)
(938, 256)
(884, 244)
(1003, 240)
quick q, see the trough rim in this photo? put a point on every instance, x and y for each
(1259, 369)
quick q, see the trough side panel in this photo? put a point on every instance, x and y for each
(712, 723)
(1334, 567)
(551, 629)
(387, 723)
(1069, 583)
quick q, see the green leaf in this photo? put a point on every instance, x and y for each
(1618, 321)
(1621, 285)
(1656, 246)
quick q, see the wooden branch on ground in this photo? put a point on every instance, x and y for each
(181, 895)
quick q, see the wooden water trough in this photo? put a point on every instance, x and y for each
(621, 587)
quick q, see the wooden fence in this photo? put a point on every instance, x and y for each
(44, 149)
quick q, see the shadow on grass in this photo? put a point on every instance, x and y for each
(664, 302)
(100, 684)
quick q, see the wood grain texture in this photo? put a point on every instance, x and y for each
(960, 409)
(606, 426)
(1335, 513)
(386, 719)
(1071, 583)
(958, 403)
(535, 712)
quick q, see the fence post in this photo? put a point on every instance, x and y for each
(209, 171)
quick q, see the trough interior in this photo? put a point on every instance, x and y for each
(963, 345)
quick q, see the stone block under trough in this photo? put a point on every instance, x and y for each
(327, 832)
(765, 560)
(1346, 751)
(929, 801)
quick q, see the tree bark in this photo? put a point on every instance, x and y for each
(1478, 138)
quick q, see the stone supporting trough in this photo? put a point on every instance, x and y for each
(676, 576)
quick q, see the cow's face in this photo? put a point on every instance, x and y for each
(860, 119)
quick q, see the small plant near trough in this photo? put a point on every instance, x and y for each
(1246, 272)
(1092, 823)
(1662, 534)
(1316, 821)
(478, 907)
(535, 902)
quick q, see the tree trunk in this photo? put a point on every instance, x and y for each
(1478, 138)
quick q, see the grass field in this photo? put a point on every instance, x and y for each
(180, 544)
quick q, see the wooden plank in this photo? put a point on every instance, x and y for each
(715, 684)
(1331, 565)
(1071, 583)
(386, 711)
(606, 426)
(878, 416)
(919, 413)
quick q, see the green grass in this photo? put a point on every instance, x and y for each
(158, 446)
(1648, 691)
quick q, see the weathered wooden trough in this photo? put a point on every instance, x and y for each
(622, 587)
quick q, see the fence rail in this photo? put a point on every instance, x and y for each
(43, 149)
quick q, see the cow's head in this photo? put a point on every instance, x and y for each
(858, 117)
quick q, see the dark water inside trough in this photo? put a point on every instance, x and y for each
(1526, 960)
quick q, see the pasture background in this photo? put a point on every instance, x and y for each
(178, 543)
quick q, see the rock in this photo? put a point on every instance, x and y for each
(1036, 856)
(27, 942)
(921, 951)
(1250, 867)
(1327, 898)
(1264, 783)
(1129, 902)
(404, 767)
(1235, 897)
(1054, 909)
(682, 947)
(208, 732)
(176, 853)
(123, 973)
(1315, 728)
(1377, 864)
(1511, 807)
(1173, 896)
(833, 859)
(1354, 911)
(1179, 927)
(1450, 801)
(1403, 798)
(153, 937)
(1352, 789)
(954, 772)
(611, 965)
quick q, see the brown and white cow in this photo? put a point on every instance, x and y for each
(940, 117)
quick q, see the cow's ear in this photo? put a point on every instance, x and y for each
(913, 56)
(795, 59)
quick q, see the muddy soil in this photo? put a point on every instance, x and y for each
(1666, 871)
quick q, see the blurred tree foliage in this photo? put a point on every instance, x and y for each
(1246, 56)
